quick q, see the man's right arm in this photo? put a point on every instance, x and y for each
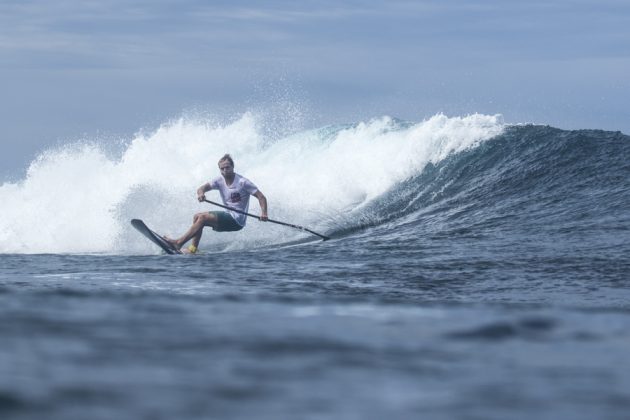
(201, 190)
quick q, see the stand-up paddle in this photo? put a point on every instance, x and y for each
(325, 238)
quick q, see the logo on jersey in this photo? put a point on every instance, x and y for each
(235, 197)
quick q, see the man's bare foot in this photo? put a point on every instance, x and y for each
(173, 242)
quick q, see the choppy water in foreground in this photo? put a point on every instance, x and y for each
(491, 283)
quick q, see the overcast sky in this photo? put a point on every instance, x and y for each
(71, 69)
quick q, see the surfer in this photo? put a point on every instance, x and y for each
(235, 191)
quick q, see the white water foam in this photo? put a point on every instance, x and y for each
(78, 199)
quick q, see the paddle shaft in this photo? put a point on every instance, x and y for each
(325, 238)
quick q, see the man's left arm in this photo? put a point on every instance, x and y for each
(263, 205)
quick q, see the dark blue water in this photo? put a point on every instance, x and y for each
(493, 285)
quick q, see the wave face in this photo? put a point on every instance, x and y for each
(566, 181)
(456, 178)
(527, 176)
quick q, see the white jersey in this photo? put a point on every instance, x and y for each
(235, 195)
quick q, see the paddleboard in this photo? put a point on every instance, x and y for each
(154, 237)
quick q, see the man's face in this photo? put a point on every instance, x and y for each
(226, 169)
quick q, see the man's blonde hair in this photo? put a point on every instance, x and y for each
(228, 158)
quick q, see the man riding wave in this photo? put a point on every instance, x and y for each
(235, 191)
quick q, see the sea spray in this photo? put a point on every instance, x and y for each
(79, 199)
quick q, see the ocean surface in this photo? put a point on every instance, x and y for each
(477, 270)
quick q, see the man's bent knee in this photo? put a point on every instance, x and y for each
(198, 216)
(208, 219)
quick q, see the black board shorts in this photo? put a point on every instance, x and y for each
(226, 222)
